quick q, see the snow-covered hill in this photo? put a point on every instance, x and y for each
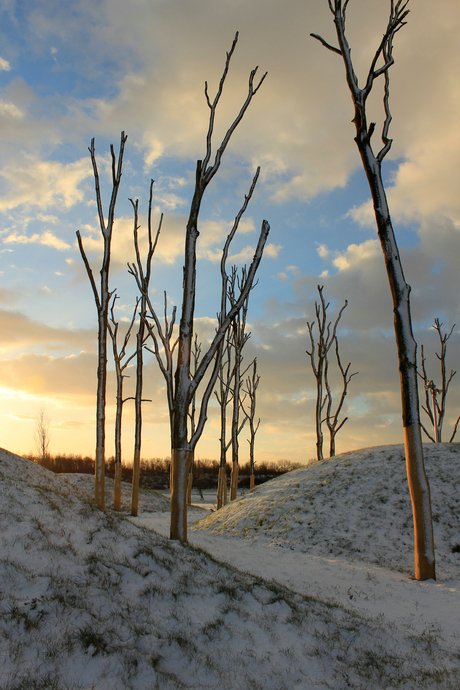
(356, 505)
(91, 600)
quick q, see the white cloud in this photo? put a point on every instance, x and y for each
(4, 65)
(272, 250)
(47, 238)
(10, 110)
(44, 184)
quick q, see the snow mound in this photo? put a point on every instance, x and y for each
(90, 600)
(355, 505)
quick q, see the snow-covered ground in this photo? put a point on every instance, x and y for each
(306, 585)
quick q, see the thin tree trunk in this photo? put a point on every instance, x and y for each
(138, 411)
(222, 487)
(118, 419)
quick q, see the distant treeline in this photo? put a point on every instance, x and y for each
(155, 471)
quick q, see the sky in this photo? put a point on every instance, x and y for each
(73, 71)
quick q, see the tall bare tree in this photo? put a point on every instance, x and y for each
(372, 163)
(224, 397)
(319, 357)
(252, 383)
(142, 277)
(435, 407)
(102, 299)
(42, 433)
(121, 362)
(184, 386)
(196, 354)
(238, 339)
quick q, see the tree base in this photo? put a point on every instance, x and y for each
(99, 478)
(181, 461)
(421, 505)
(117, 487)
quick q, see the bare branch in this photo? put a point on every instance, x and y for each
(89, 271)
(455, 430)
(326, 44)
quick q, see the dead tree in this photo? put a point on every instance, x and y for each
(400, 290)
(318, 358)
(238, 339)
(252, 383)
(102, 299)
(433, 408)
(332, 420)
(143, 280)
(224, 398)
(121, 362)
(42, 433)
(196, 354)
(185, 387)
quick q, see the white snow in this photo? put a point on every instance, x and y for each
(95, 600)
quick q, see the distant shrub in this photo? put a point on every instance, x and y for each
(155, 471)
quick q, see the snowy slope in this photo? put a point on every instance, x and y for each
(355, 505)
(90, 600)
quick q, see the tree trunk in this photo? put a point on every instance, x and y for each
(190, 485)
(117, 487)
(138, 410)
(180, 463)
(234, 481)
(222, 487)
(135, 485)
(118, 416)
(407, 356)
(99, 477)
(252, 481)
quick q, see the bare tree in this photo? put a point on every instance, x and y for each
(224, 397)
(433, 408)
(182, 389)
(318, 358)
(196, 354)
(102, 299)
(372, 163)
(121, 362)
(185, 387)
(143, 280)
(252, 383)
(238, 339)
(332, 419)
(42, 433)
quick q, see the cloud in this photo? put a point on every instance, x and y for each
(4, 65)
(18, 331)
(43, 184)
(47, 238)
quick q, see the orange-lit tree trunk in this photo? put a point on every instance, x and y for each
(400, 290)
